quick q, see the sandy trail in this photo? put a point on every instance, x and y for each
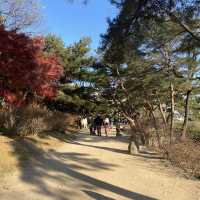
(98, 168)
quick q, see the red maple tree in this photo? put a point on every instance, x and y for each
(25, 68)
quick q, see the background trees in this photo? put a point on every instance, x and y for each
(144, 48)
(149, 52)
(76, 84)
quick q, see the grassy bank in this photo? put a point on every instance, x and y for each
(17, 151)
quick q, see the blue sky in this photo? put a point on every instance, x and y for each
(71, 21)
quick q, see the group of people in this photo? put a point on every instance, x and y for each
(95, 125)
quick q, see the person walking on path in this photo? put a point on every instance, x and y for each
(79, 122)
(98, 122)
(106, 125)
(91, 126)
(117, 124)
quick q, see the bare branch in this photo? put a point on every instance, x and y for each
(20, 14)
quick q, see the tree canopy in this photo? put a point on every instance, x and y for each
(25, 69)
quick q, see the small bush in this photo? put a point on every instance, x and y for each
(194, 130)
(31, 127)
(57, 121)
(31, 120)
(186, 155)
(34, 119)
(7, 118)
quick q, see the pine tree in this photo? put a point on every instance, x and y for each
(76, 85)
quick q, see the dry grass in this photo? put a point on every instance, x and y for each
(193, 131)
(34, 119)
(51, 129)
(8, 161)
(186, 155)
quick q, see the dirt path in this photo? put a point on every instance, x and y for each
(96, 168)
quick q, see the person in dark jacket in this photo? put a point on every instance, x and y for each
(98, 122)
(91, 126)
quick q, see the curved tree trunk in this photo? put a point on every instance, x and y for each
(156, 128)
(155, 124)
(185, 123)
(133, 147)
(163, 118)
(171, 135)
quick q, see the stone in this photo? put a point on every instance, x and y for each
(132, 148)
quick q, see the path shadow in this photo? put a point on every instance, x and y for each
(150, 156)
(54, 166)
(85, 137)
(121, 151)
(143, 154)
(148, 152)
(62, 136)
(97, 196)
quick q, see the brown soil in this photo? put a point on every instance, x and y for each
(92, 167)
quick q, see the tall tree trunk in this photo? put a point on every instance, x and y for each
(163, 118)
(171, 135)
(152, 114)
(156, 128)
(163, 114)
(186, 108)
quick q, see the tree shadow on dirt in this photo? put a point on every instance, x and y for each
(62, 136)
(64, 169)
(85, 137)
(143, 154)
(96, 195)
(120, 151)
